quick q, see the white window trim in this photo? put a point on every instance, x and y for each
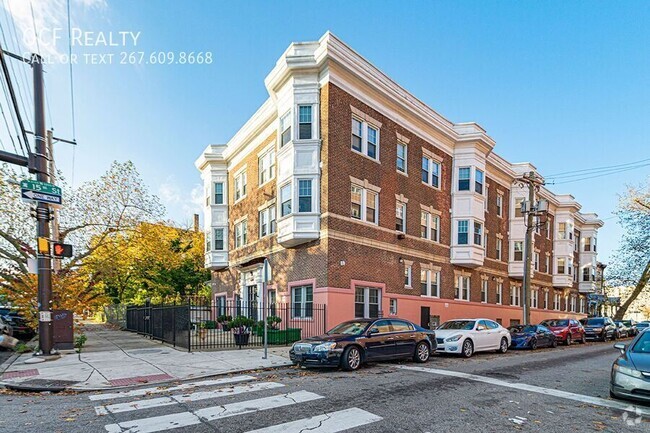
(408, 273)
(272, 163)
(239, 225)
(431, 161)
(402, 205)
(499, 208)
(364, 138)
(485, 287)
(303, 302)
(392, 303)
(406, 158)
(240, 174)
(459, 280)
(499, 293)
(364, 202)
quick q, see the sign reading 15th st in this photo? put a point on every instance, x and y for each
(43, 192)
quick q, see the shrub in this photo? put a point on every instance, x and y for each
(273, 321)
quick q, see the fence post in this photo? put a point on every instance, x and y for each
(174, 323)
(324, 319)
(189, 328)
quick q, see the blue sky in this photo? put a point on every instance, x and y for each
(564, 85)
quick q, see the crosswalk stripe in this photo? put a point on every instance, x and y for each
(185, 398)
(240, 408)
(159, 389)
(184, 419)
(331, 422)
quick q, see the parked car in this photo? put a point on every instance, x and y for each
(600, 328)
(466, 336)
(631, 324)
(630, 377)
(640, 326)
(355, 342)
(532, 337)
(21, 329)
(623, 330)
(566, 331)
(5, 327)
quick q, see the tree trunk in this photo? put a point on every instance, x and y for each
(643, 281)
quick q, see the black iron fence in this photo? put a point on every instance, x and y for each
(168, 323)
(198, 325)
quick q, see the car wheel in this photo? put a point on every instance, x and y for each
(351, 358)
(614, 336)
(583, 340)
(503, 347)
(533, 344)
(554, 343)
(422, 352)
(568, 340)
(468, 348)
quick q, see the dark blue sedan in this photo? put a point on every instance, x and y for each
(352, 343)
(531, 337)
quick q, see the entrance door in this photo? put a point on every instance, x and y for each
(425, 316)
(252, 302)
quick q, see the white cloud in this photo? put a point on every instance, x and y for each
(48, 15)
(181, 205)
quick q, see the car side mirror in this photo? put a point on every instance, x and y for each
(621, 347)
(373, 331)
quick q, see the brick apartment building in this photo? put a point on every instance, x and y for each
(365, 199)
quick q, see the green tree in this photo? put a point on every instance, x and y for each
(116, 203)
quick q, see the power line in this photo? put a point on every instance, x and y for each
(72, 105)
(38, 45)
(12, 26)
(594, 169)
(598, 175)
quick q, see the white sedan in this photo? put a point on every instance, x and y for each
(466, 336)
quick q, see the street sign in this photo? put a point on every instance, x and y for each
(43, 192)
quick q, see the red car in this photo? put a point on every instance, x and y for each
(566, 330)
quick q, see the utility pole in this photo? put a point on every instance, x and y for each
(532, 209)
(56, 264)
(45, 339)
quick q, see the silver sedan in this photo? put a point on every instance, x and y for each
(630, 376)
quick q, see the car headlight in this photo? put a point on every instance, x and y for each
(627, 371)
(598, 329)
(454, 338)
(324, 347)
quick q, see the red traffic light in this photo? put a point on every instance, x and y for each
(62, 250)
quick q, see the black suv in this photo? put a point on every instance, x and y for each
(600, 328)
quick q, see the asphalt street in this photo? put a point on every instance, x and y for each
(549, 390)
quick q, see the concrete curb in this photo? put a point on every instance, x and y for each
(27, 388)
(5, 365)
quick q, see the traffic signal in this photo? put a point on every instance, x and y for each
(62, 250)
(43, 245)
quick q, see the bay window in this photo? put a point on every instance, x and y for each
(304, 122)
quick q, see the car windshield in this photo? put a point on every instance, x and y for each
(642, 345)
(556, 323)
(522, 328)
(458, 324)
(627, 322)
(349, 328)
(642, 325)
(595, 322)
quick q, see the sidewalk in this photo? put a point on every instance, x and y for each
(113, 358)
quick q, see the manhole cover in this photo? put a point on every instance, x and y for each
(40, 385)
